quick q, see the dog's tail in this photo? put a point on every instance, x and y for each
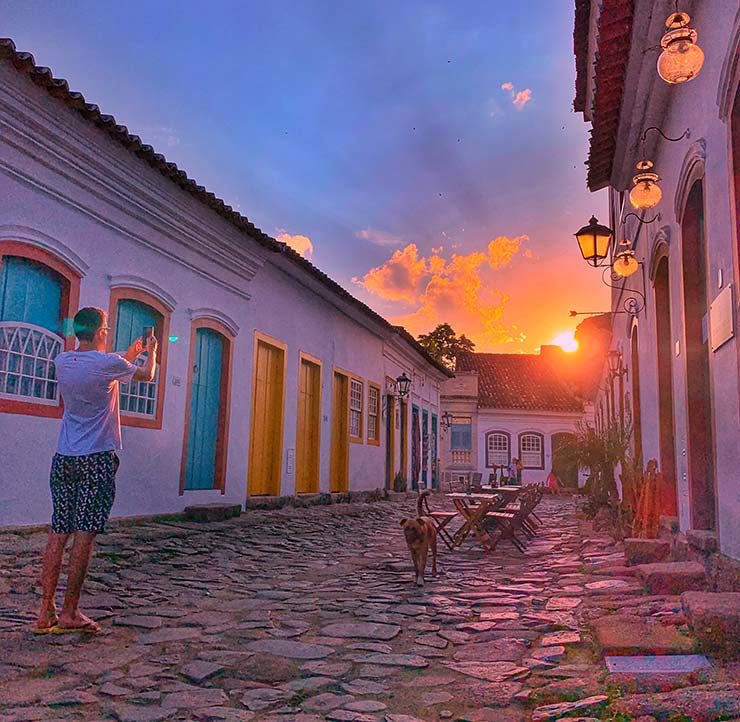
(420, 502)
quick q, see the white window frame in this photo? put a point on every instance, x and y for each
(491, 459)
(373, 414)
(526, 461)
(356, 408)
(53, 345)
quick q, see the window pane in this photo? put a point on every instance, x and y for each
(138, 397)
(498, 449)
(461, 436)
(28, 361)
(30, 293)
(530, 447)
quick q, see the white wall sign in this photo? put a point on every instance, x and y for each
(290, 461)
(721, 319)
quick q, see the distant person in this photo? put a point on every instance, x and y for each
(511, 471)
(83, 470)
(519, 470)
(504, 478)
(553, 483)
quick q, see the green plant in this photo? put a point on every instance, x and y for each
(600, 452)
(399, 482)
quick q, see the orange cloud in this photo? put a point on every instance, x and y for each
(300, 244)
(519, 98)
(400, 277)
(458, 290)
(522, 98)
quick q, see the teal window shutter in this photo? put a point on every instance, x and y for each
(30, 293)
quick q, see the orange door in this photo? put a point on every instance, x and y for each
(267, 421)
(339, 472)
(308, 428)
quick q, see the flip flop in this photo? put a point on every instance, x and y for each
(44, 630)
(92, 628)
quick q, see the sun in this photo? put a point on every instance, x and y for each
(566, 340)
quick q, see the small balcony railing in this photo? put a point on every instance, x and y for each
(460, 458)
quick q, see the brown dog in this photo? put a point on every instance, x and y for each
(421, 536)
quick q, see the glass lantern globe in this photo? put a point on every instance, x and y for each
(646, 192)
(625, 263)
(681, 59)
(594, 241)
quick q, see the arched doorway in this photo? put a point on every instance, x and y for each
(700, 441)
(661, 285)
(564, 469)
(636, 406)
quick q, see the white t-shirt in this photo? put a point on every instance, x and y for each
(88, 382)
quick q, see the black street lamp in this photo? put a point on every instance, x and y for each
(403, 385)
(594, 241)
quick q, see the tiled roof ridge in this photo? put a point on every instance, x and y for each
(59, 88)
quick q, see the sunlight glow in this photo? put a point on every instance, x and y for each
(566, 340)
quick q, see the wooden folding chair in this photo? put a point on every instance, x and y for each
(440, 519)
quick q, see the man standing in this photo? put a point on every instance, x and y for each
(84, 468)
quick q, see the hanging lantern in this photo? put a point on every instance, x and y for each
(403, 384)
(646, 192)
(625, 263)
(594, 240)
(681, 59)
(614, 357)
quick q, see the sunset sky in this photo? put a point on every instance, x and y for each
(424, 154)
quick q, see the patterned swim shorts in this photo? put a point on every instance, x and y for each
(82, 491)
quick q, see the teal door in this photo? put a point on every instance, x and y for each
(30, 293)
(424, 446)
(433, 449)
(205, 410)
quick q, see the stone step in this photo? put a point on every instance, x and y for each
(624, 634)
(645, 551)
(715, 620)
(672, 577)
(212, 512)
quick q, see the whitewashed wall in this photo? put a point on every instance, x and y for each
(70, 189)
(702, 106)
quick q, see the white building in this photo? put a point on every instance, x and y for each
(679, 349)
(506, 406)
(273, 379)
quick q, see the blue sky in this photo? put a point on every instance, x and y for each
(368, 128)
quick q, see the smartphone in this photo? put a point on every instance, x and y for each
(148, 331)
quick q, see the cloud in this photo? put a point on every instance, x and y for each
(300, 244)
(519, 98)
(379, 238)
(459, 290)
(400, 277)
(161, 136)
(522, 98)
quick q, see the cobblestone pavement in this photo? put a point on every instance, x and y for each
(311, 614)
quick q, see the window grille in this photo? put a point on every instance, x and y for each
(139, 398)
(372, 413)
(355, 408)
(497, 449)
(27, 354)
(531, 451)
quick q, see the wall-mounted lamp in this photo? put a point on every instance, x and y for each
(625, 263)
(446, 420)
(614, 358)
(403, 385)
(682, 59)
(594, 240)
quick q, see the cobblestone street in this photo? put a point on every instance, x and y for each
(311, 614)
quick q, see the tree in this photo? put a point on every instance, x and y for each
(444, 344)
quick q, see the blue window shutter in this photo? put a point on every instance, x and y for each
(30, 293)
(205, 410)
(131, 317)
(461, 436)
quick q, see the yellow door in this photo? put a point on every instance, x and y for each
(307, 436)
(267, 421)
(339, 472)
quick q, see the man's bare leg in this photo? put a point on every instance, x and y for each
(79, 559)
(50, 567)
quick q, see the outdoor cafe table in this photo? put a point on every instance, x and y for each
(473, 509)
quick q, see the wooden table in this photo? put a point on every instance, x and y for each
(473, 509)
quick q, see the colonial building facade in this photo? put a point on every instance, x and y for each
(512, 406)
(273, 380)
(674, 320)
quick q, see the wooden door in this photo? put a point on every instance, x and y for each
(339, 472)
(267, 420)
(390, 440)
(308, 428)
(204, 421)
